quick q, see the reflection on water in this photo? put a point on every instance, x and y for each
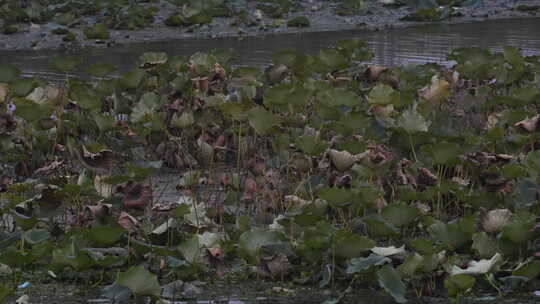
(428, 43)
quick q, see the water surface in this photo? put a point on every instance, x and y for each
(419, 44)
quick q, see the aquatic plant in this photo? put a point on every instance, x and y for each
(319, 168)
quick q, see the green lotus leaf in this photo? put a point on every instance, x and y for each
(512, 171)
(444, 153)
(236, 110)
(262, 120)
(484, 245)
(390, 280)
(355, 49)
(71, 256)
(64, 63)
(31, 111)
(455, 234)
(413, 264)
(382, 94)
(8, 73)
(378, 227)
(332, 60)
(104, 236)
(104, 122)
(5, 291)
(286, 94)
(35, 236)
(250, 242)
(338, 97)
(140, 281)
(530, 270)
(425, 246)
(349, 244)
(98, 31)
(190, 249)
(183, 121)
(285, 57)
(520, 229)
(400, 214)
(100, 69)
(459, 284)
(85, 98)
(312, 145)
(337, 197)
(153, 58)
(412, 122)
(131, 79)
(146, 107)
(15, 258)
(22, 86)
(356, 265)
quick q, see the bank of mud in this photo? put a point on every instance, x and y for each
(321, 14)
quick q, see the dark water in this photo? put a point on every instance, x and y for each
(420, 44)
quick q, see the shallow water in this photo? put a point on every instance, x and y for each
(419, 44)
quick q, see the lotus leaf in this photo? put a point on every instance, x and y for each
(100, 69)
(65, 64)
(380, 228)
(455, 234)
(349, 245)
(35, 236)
(262, 120)
(382, 94)
(104, 235)
(459, 284)
(529, 269)
(356, 265)
(390, 280)
(140, 281)
(484, 245)
(400, 215)
(251, 241)
(412, 122)
(413, 264)
(8, 73)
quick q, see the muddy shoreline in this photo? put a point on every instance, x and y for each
(321, 14)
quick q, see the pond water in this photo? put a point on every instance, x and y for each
(419, 44)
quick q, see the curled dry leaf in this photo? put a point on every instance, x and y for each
(128, 222)
(495, 220)
(383, 111)
(494, 182)
(219, 72)
(426, 178)
(301, 162)
(136, 195)
(379, 154)
(437, 91)
(373, 72)
(4, 90)
(5, 181)
(102, 162)
(250, 189)
(403, 176)
(529, 124)
(343, 160)
(201, 84)
(7, 123)
(278, 265)
(99, 210)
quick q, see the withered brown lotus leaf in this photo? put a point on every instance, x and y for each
(529, 124)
